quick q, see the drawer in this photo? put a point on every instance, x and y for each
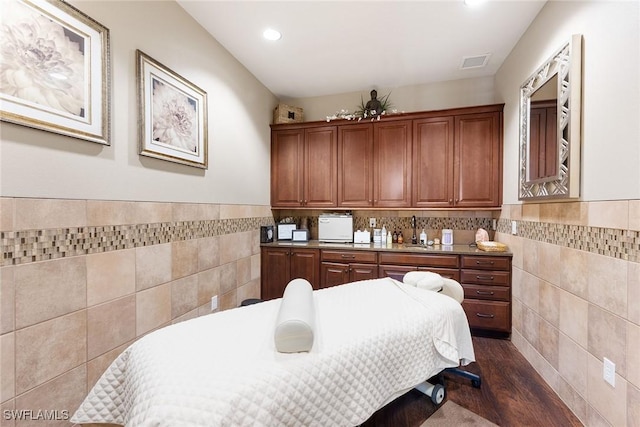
(443, 261)
(482, 262)
(492, 315)
(398, 271)
(350, 256)
(494, 293)
(479, 277)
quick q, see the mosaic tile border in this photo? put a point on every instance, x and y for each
(616, 243)
(25, 246)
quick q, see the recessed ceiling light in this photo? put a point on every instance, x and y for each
(472, 3)
(271, 34)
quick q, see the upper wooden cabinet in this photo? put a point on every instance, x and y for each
(478, 160)
(433, 162)
(355, 166)
(374, 165)
(438, 159)
(457, 161)
(303, 167)
(392, 164)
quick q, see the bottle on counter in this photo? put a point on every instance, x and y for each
(400, 238)
(389, 239)
(395, 236)
(384, 234)
(423, 237)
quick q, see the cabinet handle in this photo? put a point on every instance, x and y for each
(484, 292)
(484, 277)
(486, 316)
(348, 256)
(484, 262)
(450, 201)
(305, 202)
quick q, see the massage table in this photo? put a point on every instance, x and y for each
(373, 341)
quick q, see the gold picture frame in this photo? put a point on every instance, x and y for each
(172, 115)
(56, 70)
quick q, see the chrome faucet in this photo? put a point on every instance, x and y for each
(414, 238)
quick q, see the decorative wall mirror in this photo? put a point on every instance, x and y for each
(550, 125)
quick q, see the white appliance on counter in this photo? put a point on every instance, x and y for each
(335, 228)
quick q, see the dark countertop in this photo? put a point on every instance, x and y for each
(436, 249)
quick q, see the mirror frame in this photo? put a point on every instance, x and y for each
(567, 64)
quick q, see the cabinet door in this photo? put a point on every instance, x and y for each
(305, 264)
(287, 157)
(333, 274)
(392, 154)
(478, 160)
(274, 271)
(320, 167)
(355, 165)
(433, 162)
(362, 272)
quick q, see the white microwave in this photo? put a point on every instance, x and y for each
(335, 228)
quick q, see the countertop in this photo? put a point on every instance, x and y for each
(404, 247)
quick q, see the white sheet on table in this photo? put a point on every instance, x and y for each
(374, 339)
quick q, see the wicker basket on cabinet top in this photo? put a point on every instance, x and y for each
(287, 114)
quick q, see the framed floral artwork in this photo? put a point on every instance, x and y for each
(55, 71)
(172, 115)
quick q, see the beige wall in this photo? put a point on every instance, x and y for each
(101, 246)
(611, 94)
(576, 271)
(433, 96)
(41, 164)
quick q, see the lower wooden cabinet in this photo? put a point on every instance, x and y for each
(278, 266)
(486, 279)
(487, 291)
(339, 267)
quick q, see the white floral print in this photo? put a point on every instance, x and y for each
(174, 118)
(41, 62)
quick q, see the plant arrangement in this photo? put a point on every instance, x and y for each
(362, 112)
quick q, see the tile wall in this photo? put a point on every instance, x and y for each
(576, 300)
(80, 280)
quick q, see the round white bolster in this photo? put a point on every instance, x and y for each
(296, 318)
(427, 280)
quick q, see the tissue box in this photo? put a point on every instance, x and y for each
(361, 237)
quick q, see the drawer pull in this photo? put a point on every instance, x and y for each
(484, 277)
(484, 262)
(348, 256)
(486, 316)
(484, 292)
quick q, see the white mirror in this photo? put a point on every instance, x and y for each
(550, 124)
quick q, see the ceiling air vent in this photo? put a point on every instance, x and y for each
(477, 61)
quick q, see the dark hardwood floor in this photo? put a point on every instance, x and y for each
(512, 393)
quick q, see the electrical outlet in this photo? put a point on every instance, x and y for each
(609, 372)
(494, 224)
(514, 227)
(214, 303)
(372, 222)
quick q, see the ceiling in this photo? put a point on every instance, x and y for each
(330, 47)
